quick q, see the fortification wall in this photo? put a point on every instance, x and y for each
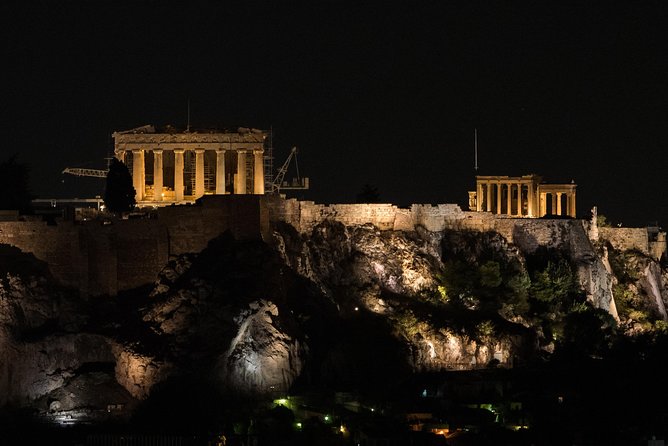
(304, 215)
(105, 259)
(191, 227)
(102, 259)
(529, 234)
(625, 239)
(659, 247)
(58, 246)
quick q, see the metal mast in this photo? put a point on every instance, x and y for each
(475, 145)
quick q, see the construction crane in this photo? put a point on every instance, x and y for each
(80, 172)
(83, 172)
(297, 183)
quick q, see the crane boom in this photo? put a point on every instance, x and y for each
(296, 183)
(98, 173)
(278, 179)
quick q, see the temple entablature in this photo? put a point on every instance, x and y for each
(175, 167)
(522, 196)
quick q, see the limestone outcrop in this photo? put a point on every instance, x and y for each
(261, 358)
(50, 359)
(342, 304)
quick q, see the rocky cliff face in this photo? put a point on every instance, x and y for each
(342, 306)
(46, 346)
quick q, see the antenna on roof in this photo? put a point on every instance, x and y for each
(188, 127)
(475, 146)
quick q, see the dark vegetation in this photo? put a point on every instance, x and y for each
(596, 378)
(486, 292)
(14, 181)
(119, 194)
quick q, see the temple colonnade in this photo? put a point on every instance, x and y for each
(213, 162)
(524, 196)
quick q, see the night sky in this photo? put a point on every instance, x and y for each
(379, 94)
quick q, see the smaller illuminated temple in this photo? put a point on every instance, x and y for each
(171, 167)
(525, 196)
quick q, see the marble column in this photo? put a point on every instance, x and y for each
(258, 173)
(520, 206)
(559, 203)
(157, 175)
(178, 174)
(199, 173)
(554, 204)
(542, 205)
(499, 194)
(572, 211)
(509, 204)
(489, 197)
(240, 186)
(532, 198)
(478, 197)
(220, 172)
(138, 173)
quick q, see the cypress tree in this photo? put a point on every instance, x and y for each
(119, 194)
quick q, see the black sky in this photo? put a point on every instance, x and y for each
(370, 93)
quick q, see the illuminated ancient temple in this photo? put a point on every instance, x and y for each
(525, 196)
(170, 166)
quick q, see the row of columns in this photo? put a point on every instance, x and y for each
(139, 176)
(480, 193)
(556, 207)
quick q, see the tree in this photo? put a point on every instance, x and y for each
(119, 194)
(14, 178)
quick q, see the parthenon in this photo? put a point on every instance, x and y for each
(525, 196)
(174, 167)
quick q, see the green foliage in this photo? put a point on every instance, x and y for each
(484, 330)
(14, 178)
(587, 331)
(443, 294)
(459, 278)
(119, 194)
(519, 286)
(490, 274)
(555, 283)
(661, 327)
(602, 221)
(622, 265)
(492, 286)
(625, 300)
(408, 323)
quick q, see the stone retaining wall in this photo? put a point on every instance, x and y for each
(624, 239)
(98, 257)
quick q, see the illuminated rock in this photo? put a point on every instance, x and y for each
(138, 373)
(261, 358)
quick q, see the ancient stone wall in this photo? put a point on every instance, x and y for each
(190, 227)
(304, 215)
(624, 239)
(58, 246)
(99, 258)
(658, 248)
(105, 259)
